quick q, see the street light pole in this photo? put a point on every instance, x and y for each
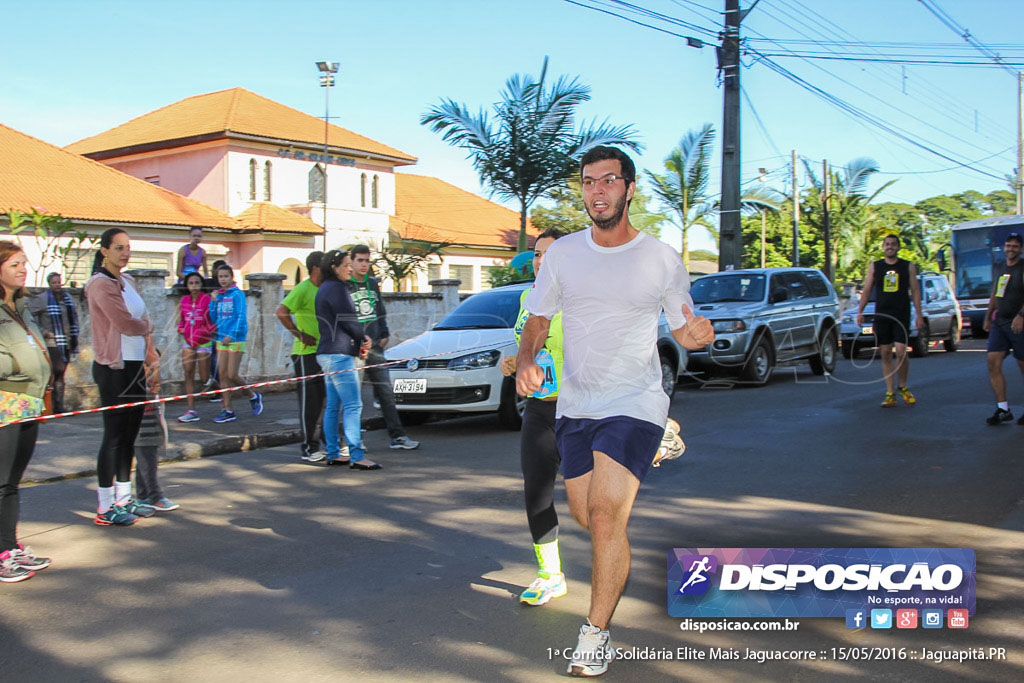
(327, 71)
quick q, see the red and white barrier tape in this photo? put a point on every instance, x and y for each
(214, 392)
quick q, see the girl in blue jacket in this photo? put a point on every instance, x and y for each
(228, 313)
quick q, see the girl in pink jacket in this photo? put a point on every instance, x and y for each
(196, 332)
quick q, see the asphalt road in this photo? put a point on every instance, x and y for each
(278, 570)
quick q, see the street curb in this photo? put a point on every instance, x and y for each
(239, 443)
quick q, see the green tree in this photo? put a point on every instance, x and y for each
(401, 258)
(569, 214)
(683, 187)
(533, 143)
(57, 240)
(856, 228)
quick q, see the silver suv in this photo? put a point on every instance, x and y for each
(766, 316)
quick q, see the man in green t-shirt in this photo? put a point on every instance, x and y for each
(298, 315)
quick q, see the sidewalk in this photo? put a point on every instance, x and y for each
(67, 447)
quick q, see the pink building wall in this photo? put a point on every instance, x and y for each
(197, 173)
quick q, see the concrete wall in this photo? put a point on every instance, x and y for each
(268, 345)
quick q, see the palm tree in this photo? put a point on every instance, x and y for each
(856, 229)
(683, 188)
(533, 144)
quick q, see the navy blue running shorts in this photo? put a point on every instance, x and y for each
(1001, 337)
(628, 441)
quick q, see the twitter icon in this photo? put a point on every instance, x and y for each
(881, 618)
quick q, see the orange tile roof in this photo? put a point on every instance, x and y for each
(430, 209)
(272, 218)
(219, 114)
(37, 174)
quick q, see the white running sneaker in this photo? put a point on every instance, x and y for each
(593, 652)
(672, 445)
(315, 457)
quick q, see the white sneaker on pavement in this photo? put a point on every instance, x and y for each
(593, 652)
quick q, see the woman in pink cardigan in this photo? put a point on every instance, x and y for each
(124, 359)
(196, 332)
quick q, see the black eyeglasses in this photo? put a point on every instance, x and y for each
(605, 180)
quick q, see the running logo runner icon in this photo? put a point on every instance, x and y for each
(695, 581)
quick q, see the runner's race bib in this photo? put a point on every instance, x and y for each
(547, 365)
(1004, 280)
(891, 282)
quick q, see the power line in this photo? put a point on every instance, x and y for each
(942, 16)
(868, 118)
(927, 93)
(940, 107)
(893, 60)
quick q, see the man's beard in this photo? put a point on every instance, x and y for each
(609, 223)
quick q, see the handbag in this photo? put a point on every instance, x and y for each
(18, 407)
(46, 402)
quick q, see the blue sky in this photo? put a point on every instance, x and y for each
(72, 69)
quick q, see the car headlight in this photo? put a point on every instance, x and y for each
(848, 318)
(729, 325)
(474, 361)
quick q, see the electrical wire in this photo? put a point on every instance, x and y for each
(942, 16)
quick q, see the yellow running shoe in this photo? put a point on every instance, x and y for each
(908, 398)
(544, 589)
(889, 401)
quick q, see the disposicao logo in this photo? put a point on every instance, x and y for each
(817, 582)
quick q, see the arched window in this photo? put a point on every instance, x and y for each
(266, 181)
(362, 190)
(317, 185)
(373, 193)
(252, 179)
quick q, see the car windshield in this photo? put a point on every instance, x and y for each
(494, 309)
(738, 287)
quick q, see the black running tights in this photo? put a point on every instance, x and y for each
(539, 457)
(120, 427)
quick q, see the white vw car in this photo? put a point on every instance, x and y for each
(455, 366)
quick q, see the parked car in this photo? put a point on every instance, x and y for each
(942, 320)
(455, 366)
(766, 316)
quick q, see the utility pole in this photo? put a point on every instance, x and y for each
(796, 216)
(730, 246)
(1020, 148)
(826, 197)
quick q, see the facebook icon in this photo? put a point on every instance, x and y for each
(855, 618)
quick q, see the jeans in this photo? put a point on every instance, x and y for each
(343, 400)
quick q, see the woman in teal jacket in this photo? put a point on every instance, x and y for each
(228, 313)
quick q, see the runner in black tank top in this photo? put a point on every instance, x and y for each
(893, 281)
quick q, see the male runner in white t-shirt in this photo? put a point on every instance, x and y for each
(610, 283)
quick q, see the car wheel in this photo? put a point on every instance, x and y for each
(825, 360)
(760, 362)
(951, 342)
(510, 412)
(849, 350)
(669, 376)
(919, 344)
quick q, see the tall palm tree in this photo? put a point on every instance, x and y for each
(533, 143)
(683, 188)
(856, 230)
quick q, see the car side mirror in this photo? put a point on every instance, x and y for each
(941, 259)
(778, 294)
